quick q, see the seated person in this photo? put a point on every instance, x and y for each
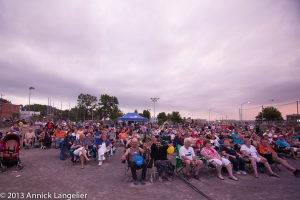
(79, 150)
(188, 156)
(268, 152)
(89, 142)
(123, 138)
(134, 135)
(159, 155)
(283, 144)
(249, 152)
(59, 135)
(238, 140)
(131, 154)
(235, 158)
(104, 145)
(28, 138)
(178, 140)
(215, 159)
(1, 143)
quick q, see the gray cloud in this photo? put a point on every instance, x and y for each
(194, 55)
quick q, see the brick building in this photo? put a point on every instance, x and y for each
(7, 110)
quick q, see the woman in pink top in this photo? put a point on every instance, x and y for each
(215, 159)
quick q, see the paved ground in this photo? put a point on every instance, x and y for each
(44, 172)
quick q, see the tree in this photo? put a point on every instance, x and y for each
(88, 103)
(162, 117)
(175, 117)
(108, 106)
(115, 114)
(269, 114)
(2, 100)
(146, 114)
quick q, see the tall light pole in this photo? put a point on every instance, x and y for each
(297, 107)
(209, 114)
(154, 100)
(242, 109)
(30, 88)
(1, 100)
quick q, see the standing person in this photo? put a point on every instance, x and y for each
(59, 135)
(188, 156)
(131, 154)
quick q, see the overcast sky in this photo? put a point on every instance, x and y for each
(193, 55)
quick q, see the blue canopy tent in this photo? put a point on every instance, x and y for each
(133, 117)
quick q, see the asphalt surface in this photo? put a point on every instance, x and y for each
(44, 174)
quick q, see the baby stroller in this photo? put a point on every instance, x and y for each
(10, 152)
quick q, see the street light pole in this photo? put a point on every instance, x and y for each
(242, 109)
(297, 107)
(154, 100)
(30, 88)
(209, 114)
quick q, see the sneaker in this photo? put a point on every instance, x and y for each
(244, 173)
(160, 179)
(135, 182)
(100, 163)
(196, 177)
(296, 172)
(238, 172)
(143, 182)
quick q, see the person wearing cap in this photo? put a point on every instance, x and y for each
(188, 156)
(268, 152)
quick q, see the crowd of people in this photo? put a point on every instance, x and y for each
(232, 149)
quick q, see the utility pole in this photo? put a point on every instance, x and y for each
(60, 110)
(209, 114)
(69, 112)
(297, 107)
(154, 100)
(1, 100)
(30, 88)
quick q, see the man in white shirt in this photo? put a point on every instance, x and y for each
(188, 156)
(250, 151)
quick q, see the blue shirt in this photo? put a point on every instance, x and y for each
(282, 143)
(98, 140)
(236, 140)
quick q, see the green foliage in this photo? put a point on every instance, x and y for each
(269, 114)
(37, 108)
(162, 117)
(2, 100)
(108, 107)
(146, 113)
(175, 117)
(87, 103)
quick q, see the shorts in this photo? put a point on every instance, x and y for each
(222, 162)
(78, 152)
